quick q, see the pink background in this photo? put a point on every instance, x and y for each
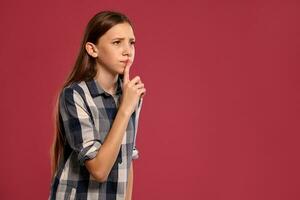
(220, 119)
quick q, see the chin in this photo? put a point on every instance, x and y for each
(117, 71)
(121, 71)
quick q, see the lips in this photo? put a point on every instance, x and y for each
(125, 61)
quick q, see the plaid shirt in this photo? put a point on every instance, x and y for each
(86, 116)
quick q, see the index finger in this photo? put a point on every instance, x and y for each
(126, 72)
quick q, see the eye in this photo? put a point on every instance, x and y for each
(132, 42)
(116, 42)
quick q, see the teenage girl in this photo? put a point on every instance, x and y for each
(97, 115)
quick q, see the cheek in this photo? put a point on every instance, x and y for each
(108, 55)
(114, 53)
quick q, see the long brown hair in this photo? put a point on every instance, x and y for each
(84, 69)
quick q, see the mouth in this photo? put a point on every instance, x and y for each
(125, 61)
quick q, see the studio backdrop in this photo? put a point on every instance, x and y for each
(220, 119)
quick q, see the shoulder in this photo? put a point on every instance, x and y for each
(79, 89)
(75, 93)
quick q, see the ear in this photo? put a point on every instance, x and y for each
(91, 49)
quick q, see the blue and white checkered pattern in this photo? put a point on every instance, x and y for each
(86, 115)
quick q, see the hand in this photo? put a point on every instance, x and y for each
(133, 90)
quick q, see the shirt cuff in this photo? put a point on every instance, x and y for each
(135, 154)
(89, 152)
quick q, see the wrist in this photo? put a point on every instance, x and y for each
(124, 112)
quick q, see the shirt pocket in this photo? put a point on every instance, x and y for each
(70, 195)
(66, 191)
(104, 128)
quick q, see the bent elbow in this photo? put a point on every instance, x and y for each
(97, 172)
(100, 177)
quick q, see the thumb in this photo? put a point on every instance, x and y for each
(126, 72)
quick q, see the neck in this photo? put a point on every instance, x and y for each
(107, 80)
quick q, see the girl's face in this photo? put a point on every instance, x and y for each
(115, 47)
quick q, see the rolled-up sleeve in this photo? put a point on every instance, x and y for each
(80, 130)
(135, 152)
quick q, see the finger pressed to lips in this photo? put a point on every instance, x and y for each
(125, 62)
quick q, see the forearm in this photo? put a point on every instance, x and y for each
(101, 165)
(130, 183)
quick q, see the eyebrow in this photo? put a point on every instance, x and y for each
(123, 38)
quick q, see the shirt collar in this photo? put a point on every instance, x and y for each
(96, 89)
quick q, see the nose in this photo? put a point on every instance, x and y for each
(127, 50)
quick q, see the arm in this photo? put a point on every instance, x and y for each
(130, 183)
(101, 165)
(96, 156)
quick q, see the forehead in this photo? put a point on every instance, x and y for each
(123, 30)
